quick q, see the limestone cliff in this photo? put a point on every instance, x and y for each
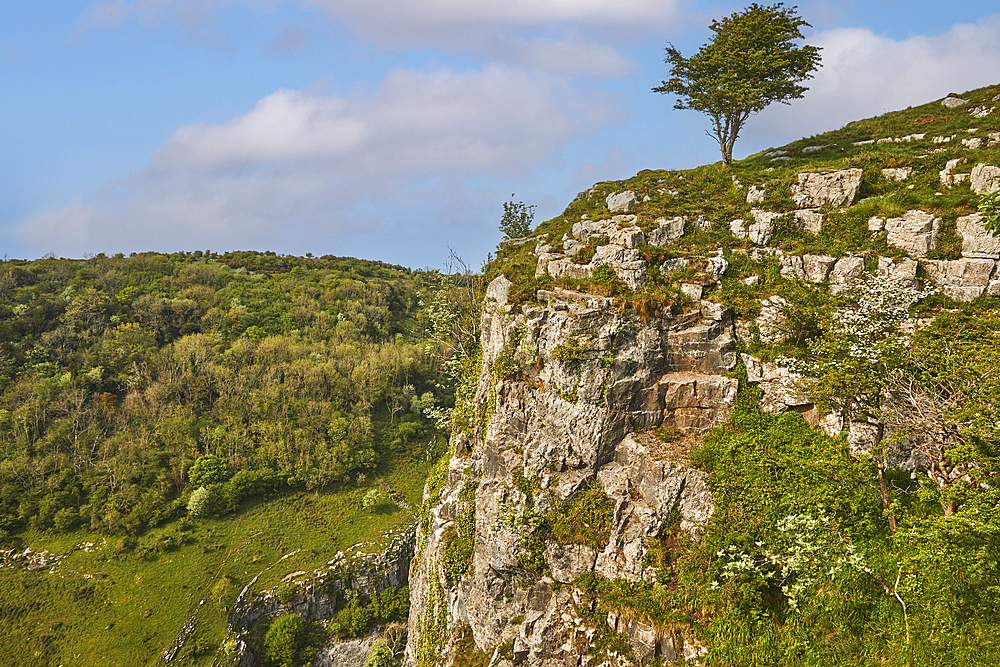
(588, 383)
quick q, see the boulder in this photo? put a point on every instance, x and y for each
(817, 267)
(809, 220)
(622, 201)
(947, 178)
(961, 279)
(844, 272)
(791, 268)
(760, 230)
(976, 241)
(836, 188)
(627, 263)
(897, 174)
(953, 101)
(985, 177)
(674, 264)
(771, 319)
(756, 194)
(905, 270)
(716, 265)
(692, 291)
(667, 231)
(915, 232)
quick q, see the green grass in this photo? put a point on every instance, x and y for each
(134, 607)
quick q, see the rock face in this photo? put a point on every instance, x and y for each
(622, 202)
(592, 383)
(915, 232)
(985, 177)
(976, 241)
(961, 279)
(760, 230)
(619, 253)
(837, 188)
(667, 232)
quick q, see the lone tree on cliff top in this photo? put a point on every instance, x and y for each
(752, 61)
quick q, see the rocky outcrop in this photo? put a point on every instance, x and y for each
(591, 383)
(620, 253)
(622, 202)
(953, 101)
(915, 232)
(836, 188)
(984, 178)
(667, 231)
(976, 241)
(760, 230)
(961, 279)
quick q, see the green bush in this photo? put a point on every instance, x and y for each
(380, 655)
(287, 642)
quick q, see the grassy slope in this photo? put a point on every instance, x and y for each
(131, 608)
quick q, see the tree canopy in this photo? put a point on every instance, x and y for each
(752, 61)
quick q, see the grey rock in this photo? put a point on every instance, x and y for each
(756, 194)
(876, 224)
(568, 561)
(982, 111)
(837, 188)
(771, 319)
(904, 270)
(809, 220)
(622, 201)
(569, 424)
(977, 242)
(716, 265)
(897, 173)
(791, 268)
(817, 268)
(667, 231)
(985, 177)
(961, 279)
(953, 101)
(915, 232)
(760, 230)
(946, 176)
(692, 291)
(673, 265)
(845, 272)
(973, 143)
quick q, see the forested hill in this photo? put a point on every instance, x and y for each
(118, 373)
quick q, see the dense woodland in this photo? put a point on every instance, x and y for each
(122, 378)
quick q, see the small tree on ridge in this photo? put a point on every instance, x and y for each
(751, 62)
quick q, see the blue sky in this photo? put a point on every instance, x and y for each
(394, 129)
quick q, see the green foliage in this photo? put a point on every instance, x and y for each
(374, 498)
(516, 220)
(140, 379)
(989, 210)
(380, 655)
(751, 62)
(208, 469)
(459, 542)
(586, 518)
(289, 642)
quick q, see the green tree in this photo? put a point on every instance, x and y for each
(380, 655)
(517, 219)
(287, 644)
(850, 366)
(752, 61)
(208, 469)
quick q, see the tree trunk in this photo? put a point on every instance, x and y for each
(883, 483)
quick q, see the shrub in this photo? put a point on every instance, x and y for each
(380, 655)
(208, 469)
(200, 503)
(374, 498)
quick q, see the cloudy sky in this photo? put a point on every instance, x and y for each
(394, 129)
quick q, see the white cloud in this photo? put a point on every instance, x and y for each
(561, 36)
(865, 75)
(302, 164)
